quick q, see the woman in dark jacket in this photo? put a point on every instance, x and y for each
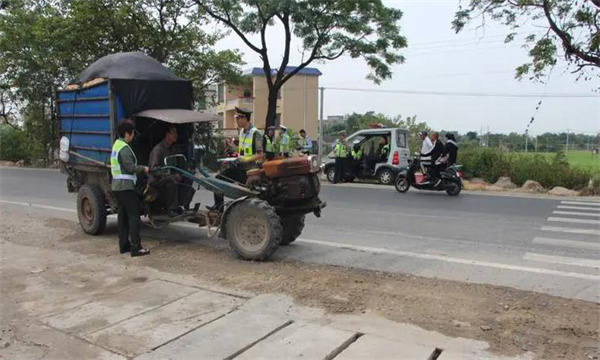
(450, 150)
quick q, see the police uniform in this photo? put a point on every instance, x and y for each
(250, 144)
(269, 145)
(340, 151)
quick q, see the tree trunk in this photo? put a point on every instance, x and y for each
(271, 108)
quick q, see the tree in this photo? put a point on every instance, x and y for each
(414, 129)
(328, 30)
(46, 43)
(571, 25)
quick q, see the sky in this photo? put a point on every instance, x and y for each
(438, 60)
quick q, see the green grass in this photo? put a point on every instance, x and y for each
(579, 158)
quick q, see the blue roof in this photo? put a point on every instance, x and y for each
(306, 71)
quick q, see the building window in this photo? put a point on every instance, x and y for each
(221, 93)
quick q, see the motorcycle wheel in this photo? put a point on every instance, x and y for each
(401, 184)
(452, 188)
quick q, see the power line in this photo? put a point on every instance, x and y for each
(470, 94)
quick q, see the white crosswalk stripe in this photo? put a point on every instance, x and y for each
(571, 230)
(562, 260)
(577, 208)
(574, 221)
(581, 203)
(575, 213)
(567, 243)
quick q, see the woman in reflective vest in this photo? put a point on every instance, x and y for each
(269, 143)
(124, 170)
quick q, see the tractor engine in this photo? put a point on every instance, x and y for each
(287, 182)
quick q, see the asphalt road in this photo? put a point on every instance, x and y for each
(547, 245)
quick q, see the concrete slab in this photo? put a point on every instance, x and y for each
(372, 347)
(299, 340)
(222, 338)
(151, 329)
(34, 342)
(109, 310)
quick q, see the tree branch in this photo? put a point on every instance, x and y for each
(227, 21)
(285, 19)
(570, 49)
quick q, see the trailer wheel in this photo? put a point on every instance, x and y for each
(253, 230)
(91, 209)
(292, 228)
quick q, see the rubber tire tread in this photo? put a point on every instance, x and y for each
(254, 205)
(292, 228)
(96, 196)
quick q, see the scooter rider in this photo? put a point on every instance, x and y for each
(435, 153)
(450, 153)
(249, 149)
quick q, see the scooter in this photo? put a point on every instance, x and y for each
(451, 179)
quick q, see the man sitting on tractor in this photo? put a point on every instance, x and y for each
(249, 149)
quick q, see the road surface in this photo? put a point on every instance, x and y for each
(546, 245)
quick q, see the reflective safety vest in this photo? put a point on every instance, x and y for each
(357, 154)
(285, 143)
(386, 149)
(115, 166)
(269, 145)
(246, 139)
(340, 150)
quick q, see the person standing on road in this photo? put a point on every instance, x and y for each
(340, 151)
(305, 142)
(269, 145)
(124, 170)
(286, 141)
(250, 149)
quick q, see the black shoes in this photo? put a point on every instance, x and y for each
(140, 252)
(125, 250)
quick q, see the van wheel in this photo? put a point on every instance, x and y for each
(330, 174)
(91, 209)
(386, 177)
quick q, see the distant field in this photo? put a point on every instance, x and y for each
(579, 158)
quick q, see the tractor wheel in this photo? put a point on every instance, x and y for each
(253, 230)
(91, 209)
(292, 228)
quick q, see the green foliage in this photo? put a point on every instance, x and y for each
(490, 164)
(326, 29)
(572, 27)
(45, 44)
(13, 144)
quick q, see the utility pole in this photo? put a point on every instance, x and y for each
(526, 139)
(567, 150)
(536, 143)
(320, 152)
(588, 145)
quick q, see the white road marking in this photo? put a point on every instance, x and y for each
(562, 260)
(571, 230)
(574, 221)
(576, 213)
(581, 203)
(578, 208)
(38, 206)
(567, 243)
(451, 259)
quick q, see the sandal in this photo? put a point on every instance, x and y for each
(140, 252)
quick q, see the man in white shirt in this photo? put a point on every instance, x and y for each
(427, 145)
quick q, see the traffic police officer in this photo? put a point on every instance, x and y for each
(340, 151)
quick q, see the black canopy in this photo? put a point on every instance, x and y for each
(141, 82)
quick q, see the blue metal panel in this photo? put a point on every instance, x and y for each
(84, 118)
(120, 109)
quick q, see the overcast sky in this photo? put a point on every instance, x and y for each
(439, 60)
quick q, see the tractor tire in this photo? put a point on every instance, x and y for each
(91, 209)
(292, 228)
(253, 230)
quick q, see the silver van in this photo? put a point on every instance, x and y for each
(370, 166)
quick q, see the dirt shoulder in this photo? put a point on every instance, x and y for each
(511, 321)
